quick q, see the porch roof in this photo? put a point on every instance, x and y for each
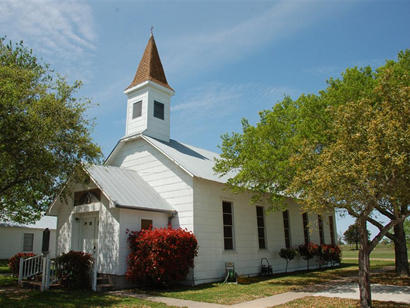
(127, 189)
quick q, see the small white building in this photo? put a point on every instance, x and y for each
(150, 178)
(15, 238)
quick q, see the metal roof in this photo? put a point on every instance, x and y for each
(127, 189)
(196, 161)
(44, 222)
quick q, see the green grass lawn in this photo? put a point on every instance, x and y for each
(6, 279)
(326, 302)
(381, 251)
(260, 287)
(4, 267)
(215, 293)
(60, 298)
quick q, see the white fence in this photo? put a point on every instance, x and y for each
(30, 267)
(47, 267)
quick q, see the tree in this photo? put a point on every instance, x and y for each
(407, 229)
(346, 147)
(44, 134)
(351, 235)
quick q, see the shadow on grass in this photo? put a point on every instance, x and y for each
(7, 280)
(296, 279)
(56, 298)
(4, 266)
(292, 281)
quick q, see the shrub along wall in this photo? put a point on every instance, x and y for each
(160, 256)
(74, 269)
(14, 261)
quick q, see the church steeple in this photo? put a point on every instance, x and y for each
(149, 97)
(150, 67)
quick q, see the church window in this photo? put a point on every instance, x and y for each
(228, 225)
(136, 109)
(146, 224)
(261, 227)
(286, 228)
(321, 234)
(306, 228)
(87, 196)
(158, 110)
(332, 230)
(28, 241)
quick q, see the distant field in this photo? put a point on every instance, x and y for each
(380, 252)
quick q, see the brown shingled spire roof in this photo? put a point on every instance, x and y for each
(150, 67)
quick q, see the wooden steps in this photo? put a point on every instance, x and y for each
(104, 283)
(35, 284)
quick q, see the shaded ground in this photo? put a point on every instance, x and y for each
(16, 297)
(261, 287)
(11, 296)
(326, 302)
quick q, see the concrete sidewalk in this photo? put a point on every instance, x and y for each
(398, 294)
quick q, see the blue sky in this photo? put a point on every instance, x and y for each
(226, 60)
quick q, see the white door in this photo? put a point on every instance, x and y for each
(89, 231)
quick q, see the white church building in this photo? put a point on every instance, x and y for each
(151, 179)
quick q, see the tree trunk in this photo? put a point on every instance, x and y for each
(364, 268)
(400, 250)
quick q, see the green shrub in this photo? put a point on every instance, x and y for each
(73, 269)
(288, 254)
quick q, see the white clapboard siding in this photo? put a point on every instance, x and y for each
(12, 239)
(172, 183)
(131, 220)
(210, 263)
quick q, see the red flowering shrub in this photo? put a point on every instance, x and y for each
(329, 253)
(74, 268)
(308, 251)
(160, 256)
(14, 261)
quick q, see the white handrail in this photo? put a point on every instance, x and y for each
(29, 267)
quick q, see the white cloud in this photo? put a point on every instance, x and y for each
(207, 96)
(232, 42)
(61, 29)
(228, 97)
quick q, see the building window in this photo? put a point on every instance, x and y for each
(228, 225)
(146, 224)
(136, 109)
(321, 235)
(286, 228)
(306, 227)
(158, 110)
(28, 242)
(332, 230)
(261, 227)
(87, 196)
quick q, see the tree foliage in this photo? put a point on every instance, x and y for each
(352, 235)
(346, 147)
(44, 134)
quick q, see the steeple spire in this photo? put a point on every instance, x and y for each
(150, 67)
